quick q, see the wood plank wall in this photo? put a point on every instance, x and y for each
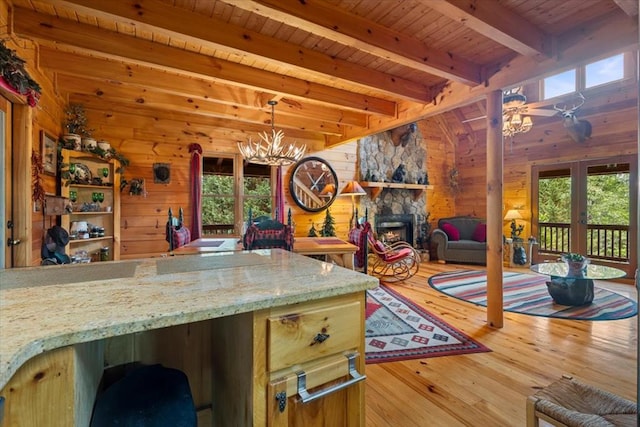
(614, 133)
(449, 143)
(145, 141)
(47, 116)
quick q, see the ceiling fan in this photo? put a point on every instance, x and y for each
(514, 108)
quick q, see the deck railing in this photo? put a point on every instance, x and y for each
(208, 229)
(605, 242)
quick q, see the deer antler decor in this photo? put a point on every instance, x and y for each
(579, 130)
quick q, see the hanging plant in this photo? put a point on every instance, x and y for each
(15, 78)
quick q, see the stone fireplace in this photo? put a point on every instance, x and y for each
(378, 158)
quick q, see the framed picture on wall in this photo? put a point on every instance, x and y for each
(49, 153)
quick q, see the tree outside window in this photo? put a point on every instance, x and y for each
(223, 202)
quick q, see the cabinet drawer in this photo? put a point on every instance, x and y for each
(298, 337)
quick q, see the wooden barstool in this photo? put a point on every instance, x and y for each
(569, 403)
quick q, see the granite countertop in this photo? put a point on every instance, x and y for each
(44, 308)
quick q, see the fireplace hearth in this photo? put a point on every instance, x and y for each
(395, 227)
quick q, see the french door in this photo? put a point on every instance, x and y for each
(589, 207)
(5, 199)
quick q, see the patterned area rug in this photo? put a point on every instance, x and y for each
(398, 329)
(527, 294)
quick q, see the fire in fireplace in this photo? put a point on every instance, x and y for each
(394, 228)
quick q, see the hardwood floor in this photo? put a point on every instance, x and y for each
(490, 389)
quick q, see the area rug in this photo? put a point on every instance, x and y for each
(398, 329)
(527, 294)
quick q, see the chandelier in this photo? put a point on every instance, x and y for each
(513, 121)
(270, 150)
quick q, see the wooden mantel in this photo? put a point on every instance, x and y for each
(377, 187)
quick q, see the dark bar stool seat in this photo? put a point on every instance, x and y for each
(149, 396)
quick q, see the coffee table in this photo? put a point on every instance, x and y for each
(574, 288)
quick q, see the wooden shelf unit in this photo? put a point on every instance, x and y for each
(111, 189)
(377, 187)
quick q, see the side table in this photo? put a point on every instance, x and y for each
(509, 249)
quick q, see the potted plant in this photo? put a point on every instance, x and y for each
(576, 263)
(76, 125)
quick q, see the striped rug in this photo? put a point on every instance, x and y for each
(527, 294)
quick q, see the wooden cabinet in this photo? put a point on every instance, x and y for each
(90, 179)
(297, 365)
(303, 365)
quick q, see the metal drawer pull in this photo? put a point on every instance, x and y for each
(320, 338)
(302, 382)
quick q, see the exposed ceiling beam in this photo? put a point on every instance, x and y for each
(621, 33)
(116, 93)
(122, 120)
(352, 30)
(497, 23)
(49, 31)
(135, 78)
(194, 28)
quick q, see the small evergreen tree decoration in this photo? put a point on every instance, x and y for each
(76, 120)
(328, 227)
(312, 231)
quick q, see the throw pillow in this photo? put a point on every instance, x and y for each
(480, 233)
(451, 230)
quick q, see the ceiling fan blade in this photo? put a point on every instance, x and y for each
(474, 119)
(540, 112)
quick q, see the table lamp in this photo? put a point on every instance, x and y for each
(512, 215)
(352, 189)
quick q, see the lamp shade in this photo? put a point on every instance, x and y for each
(353, 188)
(512, 214)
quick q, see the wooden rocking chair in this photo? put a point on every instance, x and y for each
(392, 262)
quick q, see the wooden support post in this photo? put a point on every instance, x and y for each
(495, 153)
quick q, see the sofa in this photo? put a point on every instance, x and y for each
(461, 239)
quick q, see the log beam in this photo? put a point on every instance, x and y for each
(495, 155)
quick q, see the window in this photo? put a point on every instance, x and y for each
(604, 71)
(257, 190)
(560, 84)
(224, 204)
(593, 74)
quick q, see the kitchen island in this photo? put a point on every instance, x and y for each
(241, 325)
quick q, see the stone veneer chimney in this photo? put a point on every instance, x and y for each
(378, 159)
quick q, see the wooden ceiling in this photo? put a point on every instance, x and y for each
(339, 69)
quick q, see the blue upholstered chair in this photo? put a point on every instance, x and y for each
(149, 396)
